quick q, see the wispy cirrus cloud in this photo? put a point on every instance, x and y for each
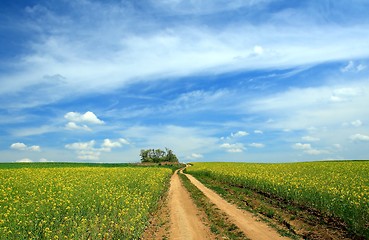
(182, 74)
(301, 108)
(353, 67)
(131, 55)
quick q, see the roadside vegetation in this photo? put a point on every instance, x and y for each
(79, 202)
(336, 192)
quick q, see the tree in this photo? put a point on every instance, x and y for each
(170, 156)
(157, 156)
(145, 156)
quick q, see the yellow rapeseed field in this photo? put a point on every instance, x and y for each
(78, 202)
(340, 189)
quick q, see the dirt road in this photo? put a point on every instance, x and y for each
(185, 222)
(244, 220)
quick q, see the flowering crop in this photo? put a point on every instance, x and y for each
(78, 202)
(340, 189)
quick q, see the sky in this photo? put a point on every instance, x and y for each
(213, 80)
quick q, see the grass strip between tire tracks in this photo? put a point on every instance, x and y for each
(220, 225)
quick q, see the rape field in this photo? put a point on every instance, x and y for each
(339, 189)
(79, 202)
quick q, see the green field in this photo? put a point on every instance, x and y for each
(339, 189)
(78, 201)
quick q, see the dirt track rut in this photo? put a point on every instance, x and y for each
(185, 221)
(245, 221)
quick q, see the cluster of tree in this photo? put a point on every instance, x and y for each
(157, 156)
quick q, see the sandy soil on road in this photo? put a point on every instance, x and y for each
(181, 219)
(185, 221)
(244, 220)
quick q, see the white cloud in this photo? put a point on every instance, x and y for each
(44, 160)
(194, 8)
(189, 49)
(110, 144)
(302, 108)
(359, 137)
(308, 149)
(258, 50)
(353, 67)
(81, 145)
(18, 146)
(87, 117)
(74, 126)
(360, 67)
(233, 148)
(356, 123)
(348, 67)
(23, 147)
(310, 139)
(337, 145)
(24, 160)
(239, 134)
(336, 99)
(78, 121)
(87, 150)
(34, 148)
(88, 155)
(256, 145)
(302, 146)
(194, 156)
(345, 94)
(124, 141)
(258, 132)
(315, 151)
(182, 140)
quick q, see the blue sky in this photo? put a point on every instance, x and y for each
(214, 80)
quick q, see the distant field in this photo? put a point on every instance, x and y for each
(61, 164)
(78, 201)
(339, 189)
